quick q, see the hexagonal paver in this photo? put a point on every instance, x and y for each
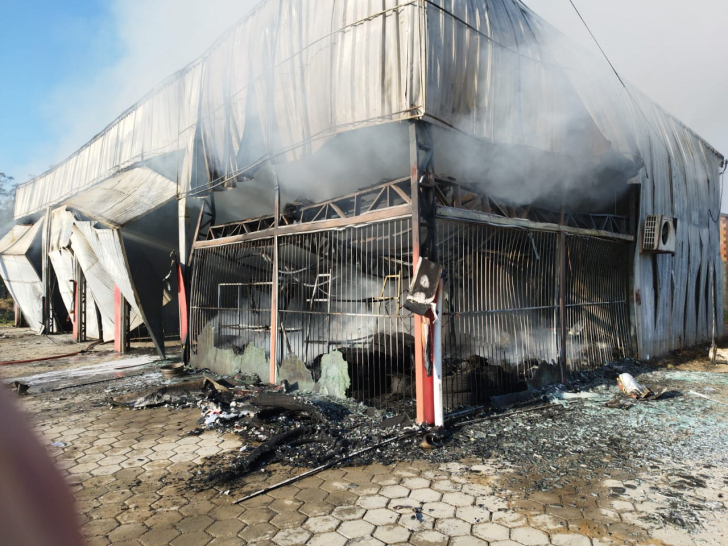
(570, 539)
(392, 534)
(316, 508)
(446, 486)
(258, 532)
(355, 529)
(381, 516)
(288, 520)
(291, 537)
(160, 536)
(438, 510)
(225, 528)
(327, 539)
(429, 538)
(547, 522)
(491, 531)
(365, 541)
(394, 491)
(128, 531)
(509, 519)
(467, 541)
(192, 539)
(453, 527)
(404, 506)
(458, 499)
(416, 522)
(372, 502)
(473, 514)
(529, 536)
(345, 513)
(321, 524)
(193, 524)
(285, 505)
(426, 495)
(415, 483)
(257, 515)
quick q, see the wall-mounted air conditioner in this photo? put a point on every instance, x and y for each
(658, 234)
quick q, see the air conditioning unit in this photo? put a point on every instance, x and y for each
(658, 234)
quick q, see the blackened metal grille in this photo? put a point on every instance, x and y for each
(343, 290)
(597, 310)
(500, 308)
(501, 322)
(231, 295)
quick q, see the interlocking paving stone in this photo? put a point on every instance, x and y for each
(458, 499)
(429, 538)
(392, 534)
(355, 529)
(491, 531)
(529, 536)
(453, 527)
(321, 524)
(372, 502)
(381, 516)
(345, 513)
(570, 540)
(291, 537)
(327, 539)
(258, 532)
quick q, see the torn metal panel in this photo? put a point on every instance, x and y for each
(62, 260)
(19, 268)
(124, 197)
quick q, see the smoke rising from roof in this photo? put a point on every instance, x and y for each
(673, 51)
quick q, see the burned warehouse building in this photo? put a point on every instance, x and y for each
(417, 204)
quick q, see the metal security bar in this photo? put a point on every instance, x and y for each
(343, 290)
(500, 308)
(597, 310)
(501, 316)
(231, 296)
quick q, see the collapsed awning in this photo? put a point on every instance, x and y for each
(61, 257)
(20, 257)
(125, 197)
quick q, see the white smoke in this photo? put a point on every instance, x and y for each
(673, 51)
(157, 38)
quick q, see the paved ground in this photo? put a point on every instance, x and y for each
(129, 472)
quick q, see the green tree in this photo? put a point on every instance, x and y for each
(7, 202)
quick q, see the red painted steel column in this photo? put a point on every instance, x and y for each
(424, 389)
(182, 300)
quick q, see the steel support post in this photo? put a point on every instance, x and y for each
(423, 244)
(79, 304)
(47, 310)
(121, 322)
(562, 304)
(274, 291)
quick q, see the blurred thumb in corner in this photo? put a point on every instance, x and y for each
(36, 505)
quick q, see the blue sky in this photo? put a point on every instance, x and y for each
(45, 44)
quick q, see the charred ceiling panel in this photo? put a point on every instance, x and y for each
(19, 268)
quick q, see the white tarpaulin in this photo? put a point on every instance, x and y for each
(61, 257)
(124, 197)
(19, 250)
